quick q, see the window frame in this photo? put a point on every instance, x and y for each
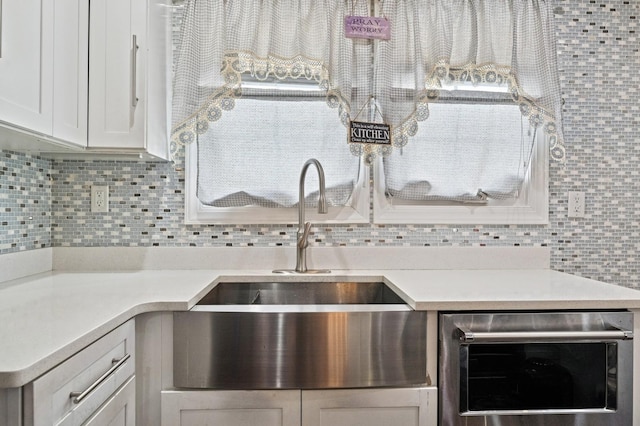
(369, 204)
(531, 207)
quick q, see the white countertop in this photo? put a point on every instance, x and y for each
(48, 317)
(507, 289)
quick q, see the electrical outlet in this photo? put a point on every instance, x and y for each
(99, 199)
(576, 204)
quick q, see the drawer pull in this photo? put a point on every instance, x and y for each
(79, 396)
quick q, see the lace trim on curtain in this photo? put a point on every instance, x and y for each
(223, 99)
(477, 74)
(237, 63)
(409, 127)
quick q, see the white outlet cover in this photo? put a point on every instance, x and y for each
(576, 204)
(99, 199)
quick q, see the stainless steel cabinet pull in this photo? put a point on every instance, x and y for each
(542, 336)
(79, 396)
(134, 71)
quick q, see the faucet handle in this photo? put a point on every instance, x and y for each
(302, 240)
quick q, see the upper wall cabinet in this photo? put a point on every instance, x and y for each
(129, 75)
(26, 64)
(70, 70)
(90, 76)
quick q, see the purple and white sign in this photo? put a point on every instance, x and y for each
(369, 27)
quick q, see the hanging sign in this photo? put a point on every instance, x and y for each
(372, 133)
(369, 27)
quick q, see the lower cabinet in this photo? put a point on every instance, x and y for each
(370, 407)
(231, 408)
(343, 407)
(11, 406)
(96, 386)
(119, 410)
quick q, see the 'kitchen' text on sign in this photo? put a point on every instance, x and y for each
(374, 133)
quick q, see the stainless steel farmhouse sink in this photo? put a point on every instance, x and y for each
(302, 335)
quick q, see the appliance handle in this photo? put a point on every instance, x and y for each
(466, 336)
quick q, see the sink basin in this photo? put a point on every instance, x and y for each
(299, 335)
(301, 293)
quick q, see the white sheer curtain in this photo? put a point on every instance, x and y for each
(439, 42)
(283, 134)
(465, 152)
(433, 43)
(283, 39)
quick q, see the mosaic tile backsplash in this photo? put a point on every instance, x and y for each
(45, 203)
(25, 202)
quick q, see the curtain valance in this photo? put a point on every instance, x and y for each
(434, 45)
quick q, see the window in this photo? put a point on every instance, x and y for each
(246, 168)
(476, 159)
(469, 88)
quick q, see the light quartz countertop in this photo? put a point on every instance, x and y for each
(48, 317)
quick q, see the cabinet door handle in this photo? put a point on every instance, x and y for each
(79, 396)
(134, 70)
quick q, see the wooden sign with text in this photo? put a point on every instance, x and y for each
(369, 27)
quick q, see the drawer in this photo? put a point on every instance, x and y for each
(92, 376)
(119, 410)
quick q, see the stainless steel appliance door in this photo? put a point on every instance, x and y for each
(543, 368)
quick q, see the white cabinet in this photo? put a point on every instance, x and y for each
(26, 63)
(231, 408)
(161, 403)
(116, 60)
(370, 407)
(97, 383)
(341, 407)
(119, 410)
(11, 407)
(129, 51)
(93, 75)
(70, 71)
(43, 67)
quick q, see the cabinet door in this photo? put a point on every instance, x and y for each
(11, 407)
(231, 408)
(370, 407)
(120, 410)
(26, 64)
(70, 393)
(71, 71)
(117, 45)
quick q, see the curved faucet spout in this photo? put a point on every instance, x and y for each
(322, 199)
(304, 227)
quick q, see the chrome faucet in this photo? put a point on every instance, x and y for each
(302, 241)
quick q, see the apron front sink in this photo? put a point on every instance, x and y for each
(300, 335)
